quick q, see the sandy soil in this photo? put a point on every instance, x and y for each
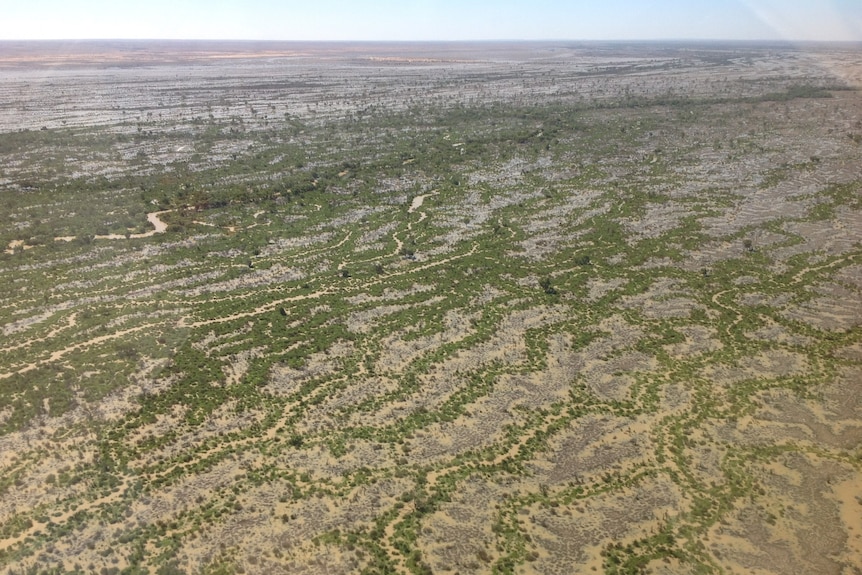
(686, 401)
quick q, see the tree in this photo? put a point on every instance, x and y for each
(545, 284)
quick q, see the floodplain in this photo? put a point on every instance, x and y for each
(430, 308)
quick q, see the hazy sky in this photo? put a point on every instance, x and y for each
(433, 19)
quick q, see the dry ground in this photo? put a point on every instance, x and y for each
(513, 308)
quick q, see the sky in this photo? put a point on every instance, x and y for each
(415, 20)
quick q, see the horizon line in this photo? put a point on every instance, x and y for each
(445, 41)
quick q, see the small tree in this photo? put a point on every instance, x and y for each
(545, 284)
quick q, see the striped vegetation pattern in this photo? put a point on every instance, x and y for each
(433, 309)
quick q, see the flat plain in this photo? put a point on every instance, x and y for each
(430, 308)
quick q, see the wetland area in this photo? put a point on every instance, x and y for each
(463, 308)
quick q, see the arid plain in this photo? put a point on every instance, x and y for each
(430, 308)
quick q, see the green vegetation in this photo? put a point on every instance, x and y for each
(438, 336)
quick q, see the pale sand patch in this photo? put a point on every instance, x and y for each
(574, 536)
(794, 525)
(14, 244)
(418, 201)
(458, 536)
(852, 352)
(159, 226)
(848, 494)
